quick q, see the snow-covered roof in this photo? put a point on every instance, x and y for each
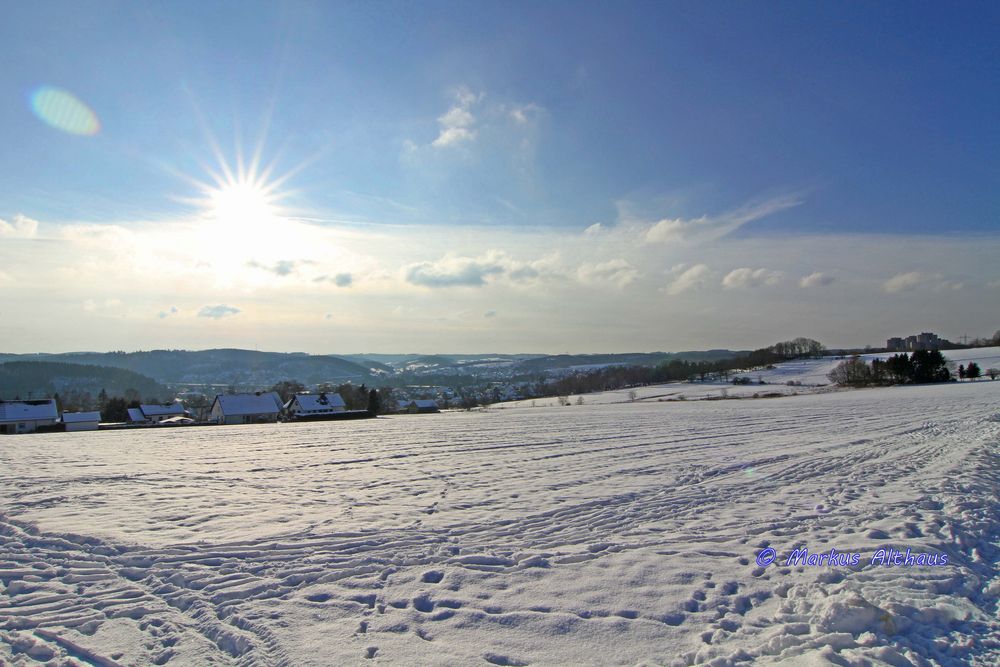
(423, 403)
(316, 402)
(135, 415)
(12, 411)
(249, 404)
(177, 420)
(172, 410)
(77, 417)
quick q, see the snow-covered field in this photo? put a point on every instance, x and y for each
(596, 534)
(809, 376)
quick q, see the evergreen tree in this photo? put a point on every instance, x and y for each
(972, 371)
(930, 366)
(374, 404)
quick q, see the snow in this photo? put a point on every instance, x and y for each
(800, 376)
(12, 411)
(590, 534)
(249, 404)
(171, 410)
(316, 403)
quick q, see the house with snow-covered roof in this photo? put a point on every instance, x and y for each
(81, 421)
(27, 416)
(154, 413)
(258, 408)
(306, 405)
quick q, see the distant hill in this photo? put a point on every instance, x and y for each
(571, 361)
(249, 369)
(245, 368)
(44, 379)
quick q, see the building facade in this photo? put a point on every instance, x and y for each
(259, 408)
(81, 421)
(27, 416)
(305, 405)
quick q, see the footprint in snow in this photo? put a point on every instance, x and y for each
(432, 577)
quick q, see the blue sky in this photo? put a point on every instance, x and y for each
(450, 131)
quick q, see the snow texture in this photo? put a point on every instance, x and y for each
(595, 534)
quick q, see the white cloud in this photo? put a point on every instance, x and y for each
(532, 275)
(744, 278)
(688, 278)
(902, 282)
(993, 284)
(218, 312)
(617, 272)
(816, 279)
(911, 280)
(21, 228)
(452, 272)
(458, 123)
(458, 271)
(523, 113)
(707, 228)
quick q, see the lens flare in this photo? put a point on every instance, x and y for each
(64, 111)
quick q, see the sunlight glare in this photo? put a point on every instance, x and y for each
(240, 202)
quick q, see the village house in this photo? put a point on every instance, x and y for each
(421, 406)
(157, 413)
(259, 408)
(27, 416)
(81, 421)
(154, 414)
(306, 405)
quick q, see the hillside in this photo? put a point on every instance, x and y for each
(40, 378)
(252, 369)
(223, 366)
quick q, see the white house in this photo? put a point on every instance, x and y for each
(157, 413)
(304, 405)
(261, 407)
(81, 421)
(26, 416)
(421, 405)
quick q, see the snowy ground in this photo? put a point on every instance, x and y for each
(595, 534)
(809, 376)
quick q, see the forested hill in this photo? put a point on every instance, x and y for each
(569, 361)
(24, 379)
(249, 369)
(223, 366)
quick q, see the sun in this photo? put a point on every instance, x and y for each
(243, 227)
(241, 201)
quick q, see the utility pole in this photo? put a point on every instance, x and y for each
(965, 339)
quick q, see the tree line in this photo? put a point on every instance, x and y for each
(611, 378)
(921, 367)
